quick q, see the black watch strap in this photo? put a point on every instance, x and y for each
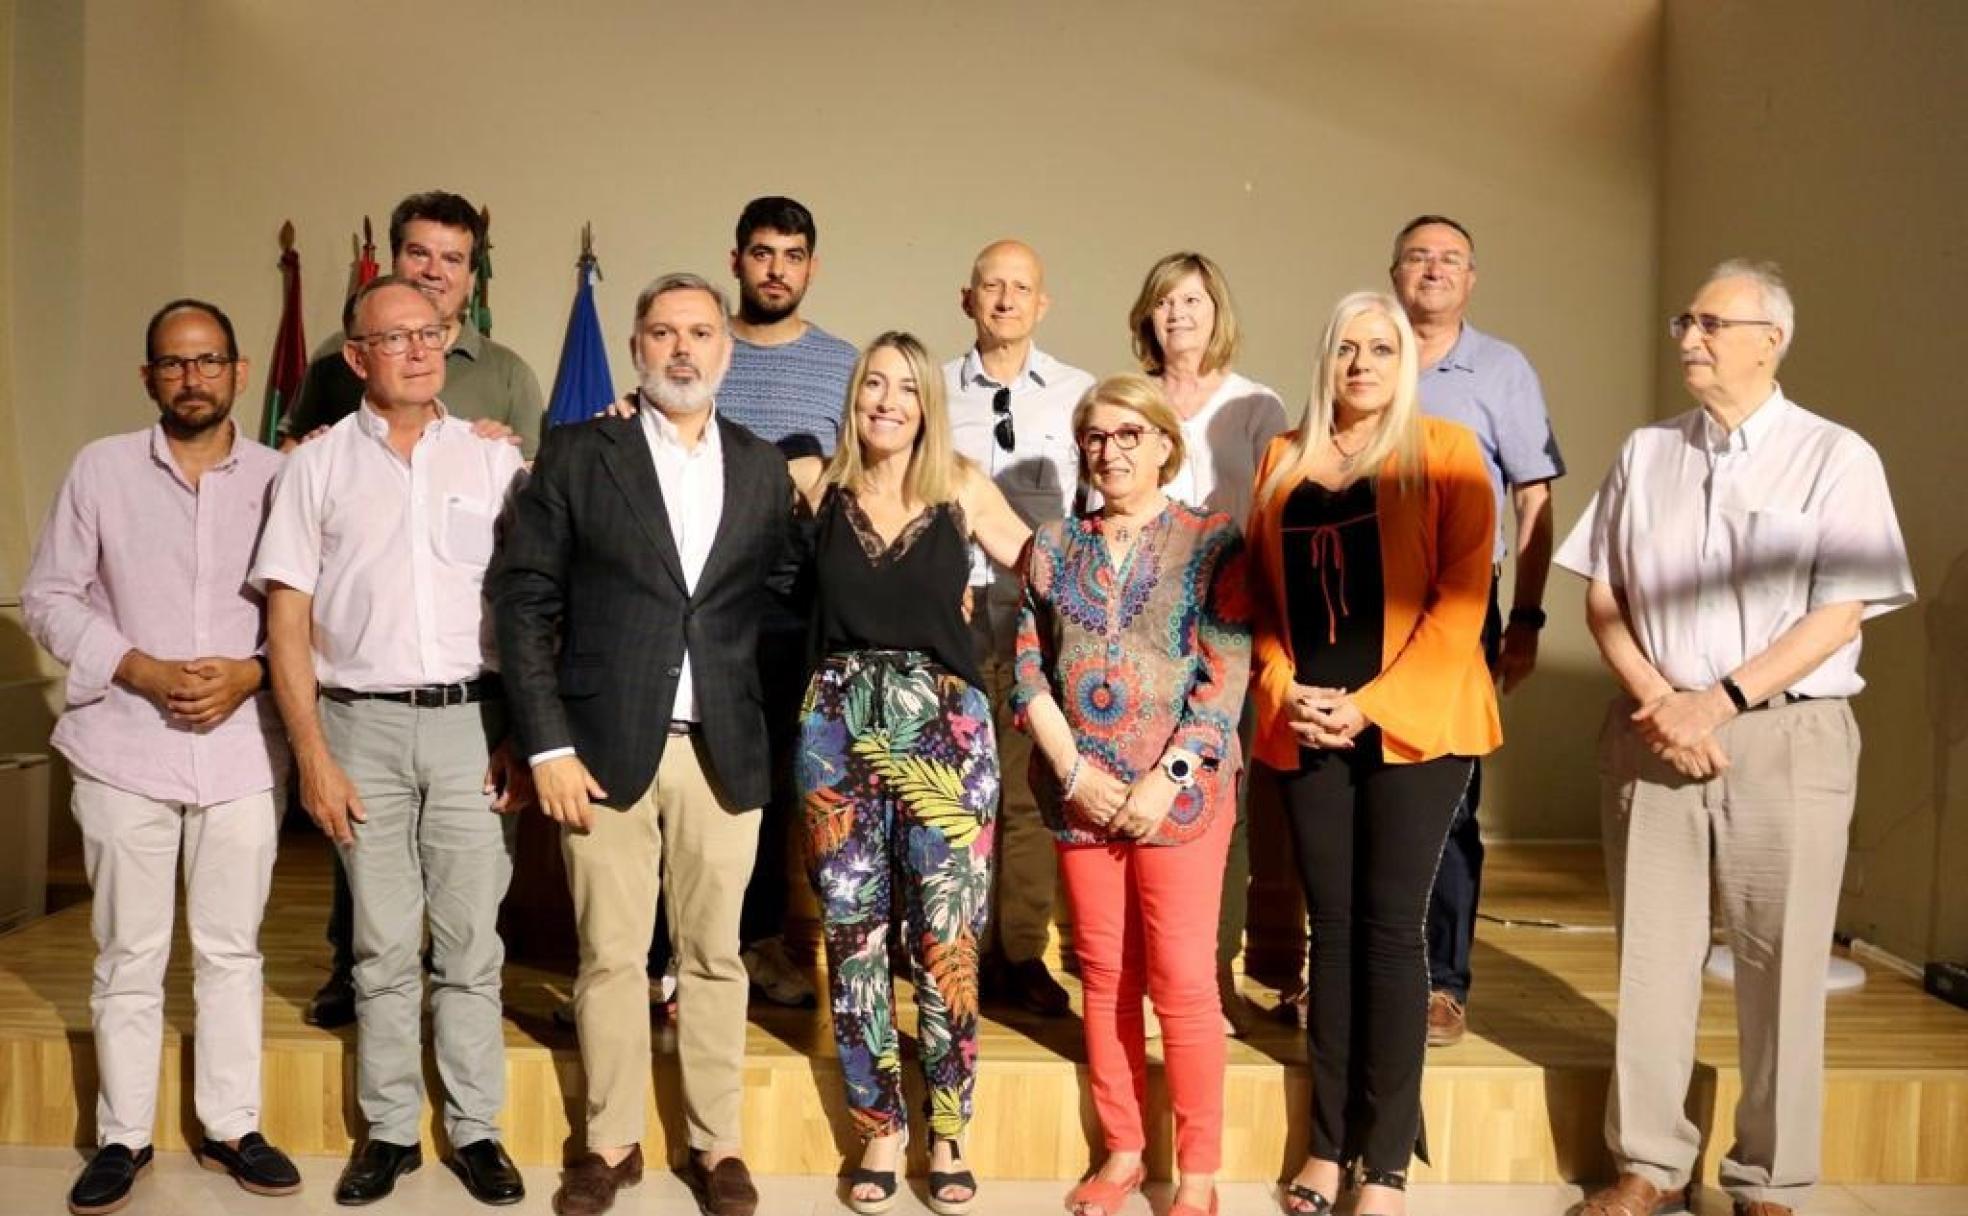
(1735, 692)
(266, 671)
(1533, 617)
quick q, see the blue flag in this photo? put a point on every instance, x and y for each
(583, 386)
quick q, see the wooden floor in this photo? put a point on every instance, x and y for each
(1521, 1100)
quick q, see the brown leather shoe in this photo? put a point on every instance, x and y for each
(587, 1188)
(724, 1190)
(1447, 1022)
(1633, 1195)
(1761, 1207)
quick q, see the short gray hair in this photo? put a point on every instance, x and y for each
(681, 281)
(1768, 277)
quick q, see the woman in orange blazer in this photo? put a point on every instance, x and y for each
(1371, 547)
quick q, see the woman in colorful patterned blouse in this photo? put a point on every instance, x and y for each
(1370, 559)
(1133, 652)
(897, 762)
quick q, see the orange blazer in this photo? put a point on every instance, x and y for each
(1433, 696)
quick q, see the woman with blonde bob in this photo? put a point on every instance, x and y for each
(1371, 543)
(1133, 654)
(1185, 333)
(897, 762)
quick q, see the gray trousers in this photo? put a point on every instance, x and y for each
(1768, 835)
(431, 849)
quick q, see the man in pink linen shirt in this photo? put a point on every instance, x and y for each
(139, 586)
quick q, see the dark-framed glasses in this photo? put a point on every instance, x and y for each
(210, 366)
(1003, 430)
(397, 341)
(1707, 322)
(1126, 438)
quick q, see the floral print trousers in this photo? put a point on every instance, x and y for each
(898, 768)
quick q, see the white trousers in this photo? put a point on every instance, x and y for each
(131, 845)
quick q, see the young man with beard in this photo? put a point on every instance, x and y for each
(139, 586)
(787, 384)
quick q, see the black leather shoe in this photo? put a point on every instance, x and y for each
(255, 1165)
(488, 1173)
(333, 1004)
(373, 1171)
(106, 1181)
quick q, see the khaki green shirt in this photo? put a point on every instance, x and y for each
(482, 379)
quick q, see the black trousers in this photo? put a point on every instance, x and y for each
(1368, 836)
(1459, 881)
(783, 672)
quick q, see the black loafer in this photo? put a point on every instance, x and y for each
(488, 1173)
(106, 1181)
(333, 1004)
(373, 1171)
(255, 1165)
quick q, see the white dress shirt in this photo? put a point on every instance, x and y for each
(393, 553)
(1039, 475)
(693, 498)
(1720, 542)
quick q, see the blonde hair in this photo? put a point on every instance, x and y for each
(1399, 437)
(935, 469)
(1136, 393)
(1225, 338)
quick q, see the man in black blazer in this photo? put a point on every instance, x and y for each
(627, 594)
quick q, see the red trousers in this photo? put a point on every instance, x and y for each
(1145, 918)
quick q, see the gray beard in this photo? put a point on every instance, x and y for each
(678, 398)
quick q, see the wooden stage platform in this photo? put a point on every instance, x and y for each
(1521, 1100)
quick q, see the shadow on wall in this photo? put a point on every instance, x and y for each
(1947, 712)
(26, 722)
(1543, 784)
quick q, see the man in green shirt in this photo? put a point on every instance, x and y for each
(434, 242)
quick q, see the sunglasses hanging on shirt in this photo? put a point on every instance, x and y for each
(1004, 431)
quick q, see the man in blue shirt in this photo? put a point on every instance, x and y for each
(787, 384)
(1487, 385)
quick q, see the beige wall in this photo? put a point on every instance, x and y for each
(160, 145)
(1834, 138)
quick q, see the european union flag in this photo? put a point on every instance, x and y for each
(583, 386)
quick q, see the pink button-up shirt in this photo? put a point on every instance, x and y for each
(393, 553)
(133, 557)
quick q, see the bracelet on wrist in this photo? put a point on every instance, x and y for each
(1072, 780)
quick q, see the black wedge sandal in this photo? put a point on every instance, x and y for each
(1373, 1177)
(888, 1182)
(1318, 1205)
(938, 1179)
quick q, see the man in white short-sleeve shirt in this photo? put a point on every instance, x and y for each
(1732, 553)
(1011, 414)
(373, 560)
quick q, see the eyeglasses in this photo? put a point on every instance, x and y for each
(396, 341)
(171, 367)
(1126, 438)
(1710, 324)
(1417, 258)
(1004, 431)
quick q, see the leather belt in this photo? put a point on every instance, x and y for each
(1780, 700)
(430, 696)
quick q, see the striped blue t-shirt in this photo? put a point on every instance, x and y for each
(790, 394)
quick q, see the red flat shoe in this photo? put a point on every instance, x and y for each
(1105, 1197)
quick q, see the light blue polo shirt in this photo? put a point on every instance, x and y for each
(1488, 385)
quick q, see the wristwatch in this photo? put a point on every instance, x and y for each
(1179, 770)
(1532, 617)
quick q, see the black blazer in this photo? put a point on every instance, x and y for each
(593, 619)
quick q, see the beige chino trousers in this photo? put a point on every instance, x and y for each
(1769, 834)
(685, 839)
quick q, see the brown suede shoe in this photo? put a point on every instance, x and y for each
(587, 1188)
(1633, 1195)
(1447, 1022)
(1761, 1207)
(725, 1190)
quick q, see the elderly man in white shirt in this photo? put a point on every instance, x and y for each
(1732, 553)
(1011, 414)
(373, 560)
